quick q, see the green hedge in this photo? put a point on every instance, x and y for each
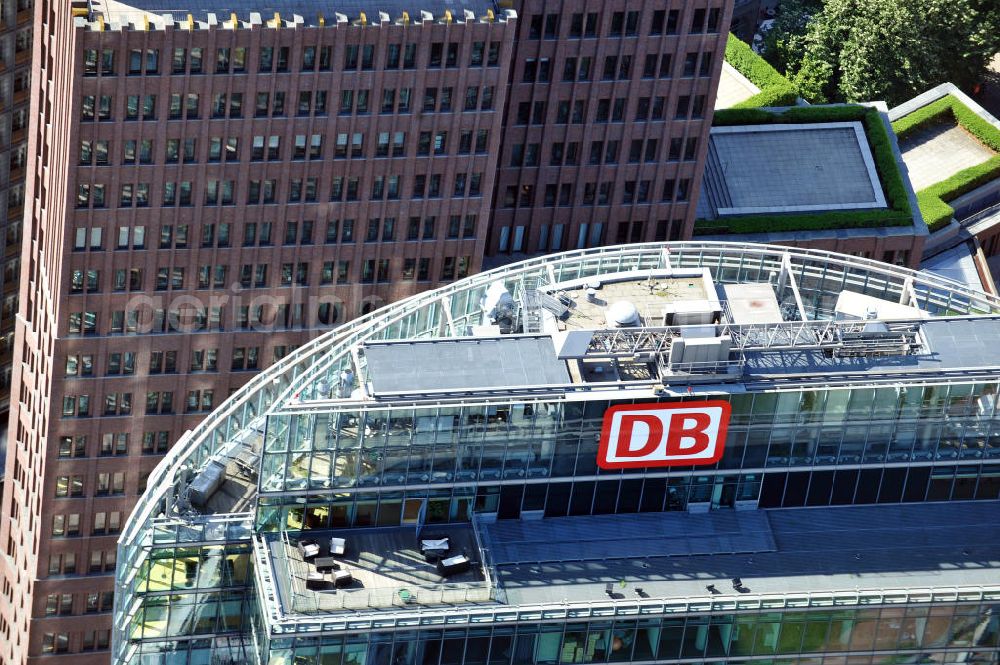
(734, 116)
(900, 213)
(936, 213)
(948, 108)
(819, 221)
(775, 89)
(795, 114)
(885, 163)
(933, 200)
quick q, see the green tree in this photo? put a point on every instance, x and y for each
(785, 42)
(865, 50)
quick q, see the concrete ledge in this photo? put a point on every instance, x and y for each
(936, 93)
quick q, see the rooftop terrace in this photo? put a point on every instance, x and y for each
(939, 151)
(387, 569)
(662, 556)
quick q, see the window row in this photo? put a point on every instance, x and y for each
(848, 635)
(120, 404)
(89, 640)
(114, 443)
(256, 235)
(188, 106)
(623, 24)
(245, 317)
(616, 67)
(307, 190)
(87, 603)
(604, 152)
(552, 238)
(280, 59)
(598, 193)
(100, 561)
(269, 148)
(260, 318)
(105, 484)
(609, 110)
(124, 363)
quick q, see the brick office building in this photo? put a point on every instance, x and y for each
(208, 191)
(15, 82)
(607, 123)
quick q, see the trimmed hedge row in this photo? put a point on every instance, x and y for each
(933, 200)
(933, 206)
(793, 115)
(886, 165)
(949, 107)
(818, 221)
(900, 213)
(775, 89)
(936, 213)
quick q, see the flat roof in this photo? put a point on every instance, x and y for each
(309, 10)
(666, 555)
(957, 263)
(791, 168)
(951, 345)
(753, 302)
(649, 296)
(419, 366)
(939, 151)
(562, 352)
(815, 549)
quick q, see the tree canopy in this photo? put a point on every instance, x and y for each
(865, 50)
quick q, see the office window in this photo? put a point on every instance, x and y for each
(714, 14)
(673, 16)
(690, 63)
(56, 642)
(199, 400)
(698, 21)
(392, 56)
(706, 64)
(665, 65)
(698, 106)
(683, 107)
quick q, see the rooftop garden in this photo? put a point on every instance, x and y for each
(934, 200)
(898, 212)
(775, 89)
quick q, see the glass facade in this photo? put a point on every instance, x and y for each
(196, 588)
(914, 634)
(550, 448)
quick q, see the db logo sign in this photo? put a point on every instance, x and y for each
(646, 435)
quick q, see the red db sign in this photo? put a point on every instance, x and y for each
(646, 435)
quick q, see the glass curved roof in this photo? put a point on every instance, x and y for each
(325, 369)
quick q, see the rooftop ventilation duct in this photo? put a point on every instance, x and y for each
(622, 314)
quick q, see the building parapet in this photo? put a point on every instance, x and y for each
(608, 609)
(100, 17)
